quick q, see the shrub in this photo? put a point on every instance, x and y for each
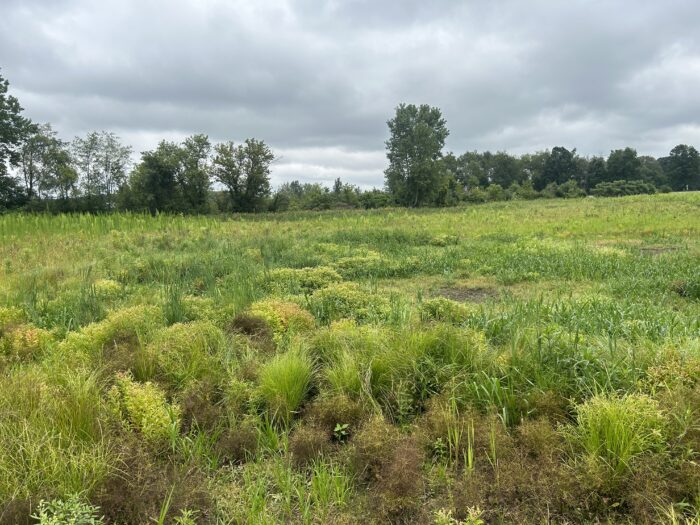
(348, 300)
(144, 407)
(301, 280)
(447, 310)
(71, 511)
(24, 342)
(444, 240)
(285, 382)
(107, 288)
(283, 318)
(613, 431)
(623, 187)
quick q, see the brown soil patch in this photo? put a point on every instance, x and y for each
(472, 294)
(657, 250)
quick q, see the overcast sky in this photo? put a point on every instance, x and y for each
(318, 80)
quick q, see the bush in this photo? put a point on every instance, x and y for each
(285, 382)
(107, 288)
(71, 511)
(446, 310)
(303, 280)
(619, 188)
(283, 318)
(143, 406)
(24, 342)
(612, 432)
(348, 300)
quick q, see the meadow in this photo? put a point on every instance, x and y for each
(511, 362)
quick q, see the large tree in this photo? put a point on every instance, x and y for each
(13, 130)
(683, 168)
(414, 150)
(624, 164)
(244, 170)
(560, 166)
(153, 184)
(101, 161)
(45, 165)
(193, 173)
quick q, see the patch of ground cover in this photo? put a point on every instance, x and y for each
(338, 368)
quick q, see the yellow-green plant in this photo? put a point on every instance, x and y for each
(144, 407)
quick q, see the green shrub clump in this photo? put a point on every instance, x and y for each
(301, 280)
(70, 511)
(446, 310)
(349, 301)
(283, 317)
(144, 407)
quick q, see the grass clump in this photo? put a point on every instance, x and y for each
(285, 382)
(52, 434)
(185, 352)
(611, 432)
(122, 330)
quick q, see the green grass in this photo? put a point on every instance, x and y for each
(513, 362)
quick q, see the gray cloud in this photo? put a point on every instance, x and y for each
(318, 80)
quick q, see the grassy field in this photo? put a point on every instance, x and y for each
(518, 362)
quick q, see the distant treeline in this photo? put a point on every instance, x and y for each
(41, 172)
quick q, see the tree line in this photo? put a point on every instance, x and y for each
(41, 172)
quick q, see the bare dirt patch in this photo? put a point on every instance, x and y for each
(472, 294)
(657, 250)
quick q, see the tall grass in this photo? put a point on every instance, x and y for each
(285, 382)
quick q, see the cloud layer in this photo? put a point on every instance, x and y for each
(318, 80)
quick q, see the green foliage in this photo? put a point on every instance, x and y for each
(479, 336)
(348, 301)
(414, 149)
(71, 511)
(144, 407)
(185, 352)
(613, 431)
(285, 382)
(301, 280)
(126, 325)
(284, 318)
(619, 188)
(443, 309)
(245, 172)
